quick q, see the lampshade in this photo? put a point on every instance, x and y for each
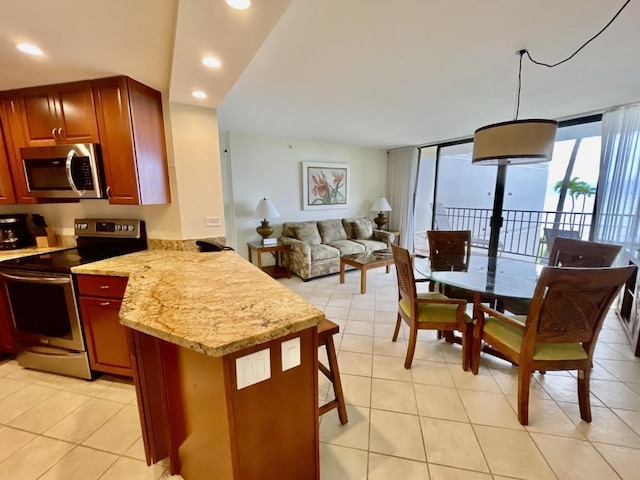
(517, 142)
(266, 209)
(380, 204)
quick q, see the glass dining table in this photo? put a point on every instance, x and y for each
(499, 277)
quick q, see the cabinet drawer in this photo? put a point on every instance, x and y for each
(102, 286)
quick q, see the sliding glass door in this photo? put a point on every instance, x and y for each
(539, 202)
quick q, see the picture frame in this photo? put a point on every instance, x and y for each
(325, 185)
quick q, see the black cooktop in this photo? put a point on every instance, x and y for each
(97, 240)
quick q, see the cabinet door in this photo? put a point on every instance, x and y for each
(106, 337)
(59, 114)
(131, 127)
(14, 140)
(6, 338)
(76, 113)
(6, 185)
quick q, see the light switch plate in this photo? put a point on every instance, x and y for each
(253, 368)
(290, 353)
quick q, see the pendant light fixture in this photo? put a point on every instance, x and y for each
(517, 142)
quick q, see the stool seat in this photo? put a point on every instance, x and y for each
(326, 330)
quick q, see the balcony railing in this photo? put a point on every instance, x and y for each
(523, 231)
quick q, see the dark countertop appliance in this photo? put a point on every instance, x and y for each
(41, 291)
(14, 232)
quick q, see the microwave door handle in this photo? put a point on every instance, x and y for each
(35, 279)
(72, 153)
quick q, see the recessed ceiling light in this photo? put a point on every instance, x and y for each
(239, 4)
(211, 62)
(199, 94)
(29, 48)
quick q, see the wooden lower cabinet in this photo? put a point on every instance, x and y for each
(6, 337)
(211, 429)
(100, 299)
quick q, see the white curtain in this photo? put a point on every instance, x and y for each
(402, 173)
(618, 201)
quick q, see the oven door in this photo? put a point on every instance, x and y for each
(43, 309)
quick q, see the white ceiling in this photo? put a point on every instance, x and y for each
(368, 72)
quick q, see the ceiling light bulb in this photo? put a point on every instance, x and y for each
(199, 94)
(29, 48)
(239, 4)
(211, 62)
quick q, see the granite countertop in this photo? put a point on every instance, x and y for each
(28, 251)
(214, 303)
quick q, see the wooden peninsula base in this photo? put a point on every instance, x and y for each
(193, 412)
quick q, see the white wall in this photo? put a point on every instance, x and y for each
(196, 152)
(262, 166)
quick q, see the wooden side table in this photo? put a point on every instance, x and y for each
(279, 251)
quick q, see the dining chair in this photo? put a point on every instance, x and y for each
(427, 311)
(559, 331)
(569, 252)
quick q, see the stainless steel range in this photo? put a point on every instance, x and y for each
(46, 323)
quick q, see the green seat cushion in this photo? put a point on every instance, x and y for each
(434, 312)
(512, 338)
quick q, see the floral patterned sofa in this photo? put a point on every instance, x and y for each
(316, 247)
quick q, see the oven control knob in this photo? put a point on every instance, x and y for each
(118, 227)
(130, 228)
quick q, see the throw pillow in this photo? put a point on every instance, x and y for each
(331, 231)
(362, 228)
(307, 232)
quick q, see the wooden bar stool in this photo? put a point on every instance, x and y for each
(326, 330)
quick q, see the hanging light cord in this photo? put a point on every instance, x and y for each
(551, 65)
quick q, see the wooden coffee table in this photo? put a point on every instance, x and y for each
(363, 262)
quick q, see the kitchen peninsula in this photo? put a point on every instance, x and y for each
(225, 364)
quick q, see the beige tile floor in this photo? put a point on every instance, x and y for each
(438, 422)
(431, 422)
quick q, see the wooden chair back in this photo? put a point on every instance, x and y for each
(569, 252)
(404, 273)
(449, 249)
(570, 304)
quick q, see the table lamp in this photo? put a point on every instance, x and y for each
(265, 209)
(380, 205)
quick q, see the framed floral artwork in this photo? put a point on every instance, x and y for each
(324, 185)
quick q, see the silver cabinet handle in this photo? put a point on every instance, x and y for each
(60, 133)
(109, 192)
(103, 287)
(104, 304)
(53, 133)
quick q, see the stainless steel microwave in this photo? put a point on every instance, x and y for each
(63, 171)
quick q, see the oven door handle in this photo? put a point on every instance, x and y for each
(37, 278)
(72, 153)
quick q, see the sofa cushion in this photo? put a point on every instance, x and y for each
(323, 252)
(348, 247)
(331, 230)
(362, 228)
(348, 226)
(307, 232)
(371, 244)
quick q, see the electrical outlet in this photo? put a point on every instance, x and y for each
(213, 221)
(290, 353)
(253, 368)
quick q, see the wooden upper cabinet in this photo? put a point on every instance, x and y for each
(131, 128)
(14, 139)
(56, 114)
(6, 185)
